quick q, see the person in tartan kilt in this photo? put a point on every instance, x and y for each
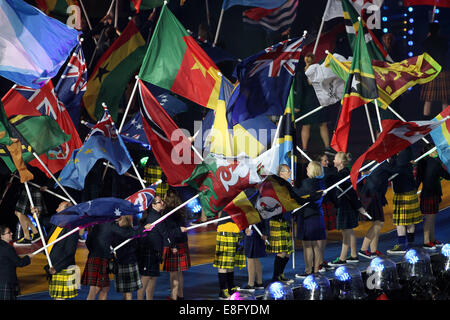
(9, 261)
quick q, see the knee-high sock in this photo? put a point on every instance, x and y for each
(411, 237)
(277, 267)
(284, 262)
(230, 280)
(222, 280)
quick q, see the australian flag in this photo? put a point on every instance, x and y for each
(72, 84)
(133, 131)
(143, 198)
(264, 81)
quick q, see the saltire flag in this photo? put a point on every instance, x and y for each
(441, 137)
(34, 46)
(11, 149)
(242, 209)
(20, 100)
(174, 61)
(113, 71)
(133, 131)
(145, 4)
(72, 84)
(170, 146)
(219, 179)
(66, 11)
(360, 88)
(396, 136)
(264, 81)
(267, 4)
(393, 79)
(437, 3)
(375, 48)
(143, 198)
(93, 212)
(102, 142)
(278, 20)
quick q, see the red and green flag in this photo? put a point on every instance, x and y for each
(174, 61)
(113, 71)
(145, 4)
(360, 88)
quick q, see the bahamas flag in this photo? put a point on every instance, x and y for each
(113, 71)
(33, 45)
(441, 137)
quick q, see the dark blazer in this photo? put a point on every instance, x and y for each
(350, 200)
(156, 238)
(62, 253)
(377, 181)
(173, 224)
(405, 181)
(9, 261)
(311, 186)
(429, 173)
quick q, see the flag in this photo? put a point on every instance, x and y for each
(22, 100)
(287, 134)
(11, 149)
(66, 11)
(145, 4)
(437, 3)
(327, 41)
(93, 212)
(267, 4)
(264, 81)
(220, 179)
(393, 79)
(278, 20)
(171, 148)
(328, 86)
(174, 61)
(333, 10)
(102, 142)
(133, 131)
(375, 48)
(242, 209)
(34, 46)
(143, 198)
(72, 84)
(216, 54)
(360, 88)
(396, 136)
(441, 137)
(113, 72)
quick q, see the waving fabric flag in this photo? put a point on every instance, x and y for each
(278, 20)
(242, 209)
(35, 54)
(264, 81)
(22, 100)
(145, 4)
(102, 142)
(437, 3)
(441, 137)
(72, 84)
(133, 131)
(143, 198)
(66, 11)
(174, 61)
(267, 4)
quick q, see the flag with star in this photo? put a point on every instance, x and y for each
(102, 142)
(174, 61)
(93, 212)
(113, 71)
(360, 88)
(133, 131)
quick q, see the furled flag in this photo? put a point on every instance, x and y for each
(22, 100)
(170, 146)
(393, 79)
(242, 209)
(278, 20)
(396, 136)
(264, 81)
(11, 149)
(145, 4)
(267, 4)
(72, 84)
(174, 61)
(437, 3)
(66, 11)
(441, 137)
(34, 46)
(143, 198)
(102, 142)
(93, 212)
(113, 72)
(360, 88)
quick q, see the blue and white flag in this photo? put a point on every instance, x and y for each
(133, 131)
(33, 45)
(267, 4)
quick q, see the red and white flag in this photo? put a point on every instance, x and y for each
(396, 136)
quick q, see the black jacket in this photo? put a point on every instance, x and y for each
(350, 200)
(62, 253)
(429, 173)
(377, 181)
(311, 186)
(157, 237)
(405, 181)
(173, 224)
(9, 261)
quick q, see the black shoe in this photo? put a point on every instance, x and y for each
(330, 152)
(366, 254)
(351, 259)
(248, 288)
(301, 276)
(337, 263)
(23, 242)
(224, 294)
(259, 286)
(35, 237)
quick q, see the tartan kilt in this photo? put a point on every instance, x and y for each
(329, 215)
(128, 278)
(179, 261)
(148, 263)
(374, 206)
(151, 175)
(280, 237)
(347, 219)
(438, 89)
(96, 272)
(9, 291)
(229, 251)
(63, 285)
(24, 203)
(406, 209)
(430, 205)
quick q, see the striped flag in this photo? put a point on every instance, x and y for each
(242, 209)
(279, 19)
(441, 137)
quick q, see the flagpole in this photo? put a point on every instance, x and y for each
(116, 14)
(208, 222)
(370, 122)
(303, 153)
(87, 19)
(401, 118)
(218, 27)
(377, 109)
(38, 224)
(309, 113)
(8, 185)
(208, 19)
(432, 15)
(321, 26)
(257, 230)
(46, 190)
(56, 240)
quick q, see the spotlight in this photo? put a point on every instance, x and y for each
(410, 9)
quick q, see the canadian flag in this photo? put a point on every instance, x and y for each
(396, 136)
